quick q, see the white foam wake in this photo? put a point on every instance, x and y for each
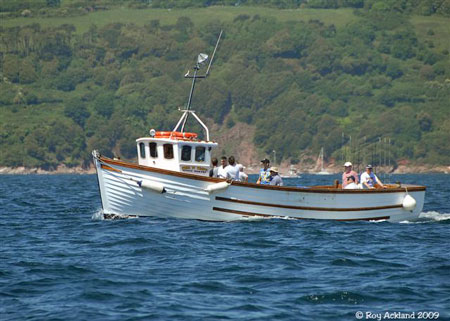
(431, 216)
(434, 216)
(98, 215)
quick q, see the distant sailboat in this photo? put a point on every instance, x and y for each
(320, 161)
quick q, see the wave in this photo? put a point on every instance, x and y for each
(431, 216)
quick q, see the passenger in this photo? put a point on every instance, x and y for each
(369, 179)
(351, 183)
(347, 173)
(242, 176)
(264, 173)
(232, 170)
(221, 172)
(275, 178)
(213, 172)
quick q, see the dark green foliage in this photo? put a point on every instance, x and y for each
(300, 84)
(11, 67)
(104, 104)
(53, 3)
(76, 110)
(50, 7)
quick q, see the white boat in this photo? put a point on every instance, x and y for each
(292, 173)
(320, 162)
(170, 179)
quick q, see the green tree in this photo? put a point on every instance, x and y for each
(104, 104)
(76, 110)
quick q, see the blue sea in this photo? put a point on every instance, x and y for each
(60, 261)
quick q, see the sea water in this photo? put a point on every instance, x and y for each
(59, 261)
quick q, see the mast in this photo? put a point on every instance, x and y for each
(321, 159)
(201, 58)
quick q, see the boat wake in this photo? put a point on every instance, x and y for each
(432, 216)
(98, 215)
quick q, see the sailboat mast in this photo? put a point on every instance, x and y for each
(321, 156)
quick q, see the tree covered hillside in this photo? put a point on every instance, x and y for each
(304, 78)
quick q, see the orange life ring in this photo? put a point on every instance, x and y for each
(175, 135)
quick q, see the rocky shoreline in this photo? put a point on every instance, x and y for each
(283, 168)
(61, 169)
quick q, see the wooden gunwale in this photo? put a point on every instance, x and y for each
(307, 208)
(330, 190)
(219, 209)
(109, 168)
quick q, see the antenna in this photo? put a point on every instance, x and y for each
(214, 52)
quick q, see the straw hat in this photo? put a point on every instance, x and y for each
(274, 169)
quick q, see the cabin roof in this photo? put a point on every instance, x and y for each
(175, 140)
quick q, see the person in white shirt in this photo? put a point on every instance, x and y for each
(242, 176)
(351, 183)
(222, 173)
(232, 171)
(369, 179)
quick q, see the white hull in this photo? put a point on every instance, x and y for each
(322, 173)
(185, 197)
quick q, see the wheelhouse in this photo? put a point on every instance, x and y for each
(176, 153)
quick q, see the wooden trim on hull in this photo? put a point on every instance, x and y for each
(219, 209)
(316, 189)
(306, 208)
(109, 168)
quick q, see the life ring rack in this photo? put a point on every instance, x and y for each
(176, 135)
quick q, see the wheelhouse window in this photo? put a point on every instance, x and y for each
(168, 151)
(200, 154)
(186, 153)
(153, 150)
(142, 150)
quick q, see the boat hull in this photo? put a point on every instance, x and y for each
(123, 193)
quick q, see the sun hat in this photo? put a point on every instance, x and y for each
(274, 169)
(348, 164)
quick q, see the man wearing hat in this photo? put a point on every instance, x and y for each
(242, 176)
(369, 179)
(264, 173)
(275, 179)
(348, 172)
